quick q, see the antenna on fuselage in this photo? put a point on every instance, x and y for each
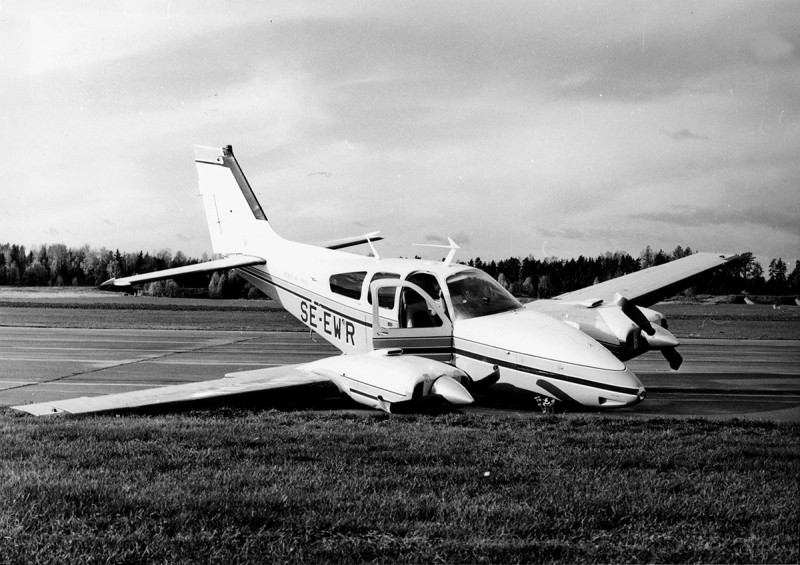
(369, 242)
(453, 247)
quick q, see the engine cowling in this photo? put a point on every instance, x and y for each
(384, 377)
(625, 329)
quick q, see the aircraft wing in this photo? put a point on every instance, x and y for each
(648, 286)
(233, 383)
(208, 266)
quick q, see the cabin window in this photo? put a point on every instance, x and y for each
(427, 282)
(385, 295)
(430, 284)
(475, 294)
(348, 284)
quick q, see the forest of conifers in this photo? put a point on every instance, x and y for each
(59, 265)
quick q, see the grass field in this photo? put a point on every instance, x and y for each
(246, 486)
(238, 484)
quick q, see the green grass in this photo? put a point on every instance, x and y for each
(228, 485)
(732, 321)
(146, 316)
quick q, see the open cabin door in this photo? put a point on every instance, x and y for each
(422, 328)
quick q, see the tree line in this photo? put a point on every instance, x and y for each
(59, 265)
(553, 276)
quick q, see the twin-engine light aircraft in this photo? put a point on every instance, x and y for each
(411, 329)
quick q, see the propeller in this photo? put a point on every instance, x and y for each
(673, 357)
(631, 311)
(486, 381)
(657, 337)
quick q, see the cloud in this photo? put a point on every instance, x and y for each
(503, 124)
(773, 218)
(459, 238)
(684, 134)
(435, 239)
(771, 46)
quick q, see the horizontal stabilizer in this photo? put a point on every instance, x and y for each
(206, 267)
(352, 241)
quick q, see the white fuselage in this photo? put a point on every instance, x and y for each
(329, 292)
(443, 311)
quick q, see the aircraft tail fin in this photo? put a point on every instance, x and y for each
(236, 220)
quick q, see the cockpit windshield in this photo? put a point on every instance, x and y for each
(475, 294)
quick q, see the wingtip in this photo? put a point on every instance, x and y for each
(115, 285)
(39, 409)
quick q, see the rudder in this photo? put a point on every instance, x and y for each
(235, 217)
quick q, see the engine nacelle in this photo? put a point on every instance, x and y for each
(633, 339)
(384, 377)
(612, 327)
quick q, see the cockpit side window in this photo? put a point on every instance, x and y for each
(427, 282)
(414, 310)
(348, 284)
(385, 295)
(475, 294)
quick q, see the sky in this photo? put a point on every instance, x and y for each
(550, 128)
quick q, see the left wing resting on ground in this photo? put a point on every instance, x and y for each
(208, 266)
(646, 287)
(380, 379)
(236, 383)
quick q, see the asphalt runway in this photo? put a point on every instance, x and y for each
(720, 378)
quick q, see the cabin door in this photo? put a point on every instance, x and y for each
(422, 327)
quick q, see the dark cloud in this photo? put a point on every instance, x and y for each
(460, 239)
(580, 234)
(772, 218)
(684, 134)
(566, 233)
(435, 239)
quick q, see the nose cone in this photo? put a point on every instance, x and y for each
(661, 339)
(622, 389)
(451, 391)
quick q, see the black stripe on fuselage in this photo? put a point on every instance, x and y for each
(270, 280)
(423, 351)
(548, 374)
